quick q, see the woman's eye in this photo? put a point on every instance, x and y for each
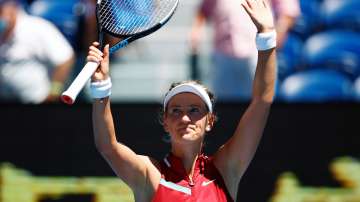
(175, 111)
(194, 110)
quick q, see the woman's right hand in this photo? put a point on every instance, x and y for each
(95, 55)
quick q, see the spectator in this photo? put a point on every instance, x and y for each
(234, 58)
(35, 59)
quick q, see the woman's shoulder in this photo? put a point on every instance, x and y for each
(150, 161)
(145, 192)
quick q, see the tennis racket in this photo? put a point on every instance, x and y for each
(125, 19)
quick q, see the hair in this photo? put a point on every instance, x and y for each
(173, 85)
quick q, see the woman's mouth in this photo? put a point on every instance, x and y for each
(187, 129)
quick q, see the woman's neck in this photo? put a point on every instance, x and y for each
(188, 156)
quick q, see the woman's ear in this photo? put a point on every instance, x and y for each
(210, 122)
(165, 125)
(166, 129)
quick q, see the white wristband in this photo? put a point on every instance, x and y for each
(100, 89)
(266, 41)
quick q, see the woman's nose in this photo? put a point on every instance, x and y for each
(185, 117)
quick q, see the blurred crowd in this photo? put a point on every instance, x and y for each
(234, 58)
(43, 44)
(319, 62)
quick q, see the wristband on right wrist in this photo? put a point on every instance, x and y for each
(266, 41)
(100, 89)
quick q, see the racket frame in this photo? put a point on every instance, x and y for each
(126, 39)
(79, 82)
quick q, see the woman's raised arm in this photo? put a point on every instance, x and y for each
(233, 158)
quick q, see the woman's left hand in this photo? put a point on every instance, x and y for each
(261, 14)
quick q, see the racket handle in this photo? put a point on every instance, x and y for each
(79, 82)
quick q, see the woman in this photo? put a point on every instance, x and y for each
(186, 174)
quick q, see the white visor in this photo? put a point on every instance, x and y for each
(189, 88)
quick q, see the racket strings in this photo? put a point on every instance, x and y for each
(115, 18)
(127, 17)
(130, 13)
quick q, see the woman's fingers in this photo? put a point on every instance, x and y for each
(96, 50)
(265, 3)
(246, 6)
(261, 14)
(102, 58)
(106, 52)
(95, 54)
(91, 58)
(95, 43)
(251, 5)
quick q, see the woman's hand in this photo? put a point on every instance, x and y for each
(95, 55)
(261, 14)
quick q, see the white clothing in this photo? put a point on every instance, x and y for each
(28, 58)
(232, 78)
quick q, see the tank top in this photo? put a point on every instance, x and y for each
(206, 185)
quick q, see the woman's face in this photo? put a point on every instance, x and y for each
(186, 118)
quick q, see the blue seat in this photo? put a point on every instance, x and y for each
(63, 14)
(357, 89)
(344, 14)
(309, 21)
(289, 55)
(317, 85)
(334, 49)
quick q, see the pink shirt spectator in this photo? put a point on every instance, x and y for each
(286, 7)
(233, 30)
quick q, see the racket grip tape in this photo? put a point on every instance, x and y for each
(69, 96)
(118, 46)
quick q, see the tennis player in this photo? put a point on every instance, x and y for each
(186, 174)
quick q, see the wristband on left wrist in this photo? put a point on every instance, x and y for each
(266, 40)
